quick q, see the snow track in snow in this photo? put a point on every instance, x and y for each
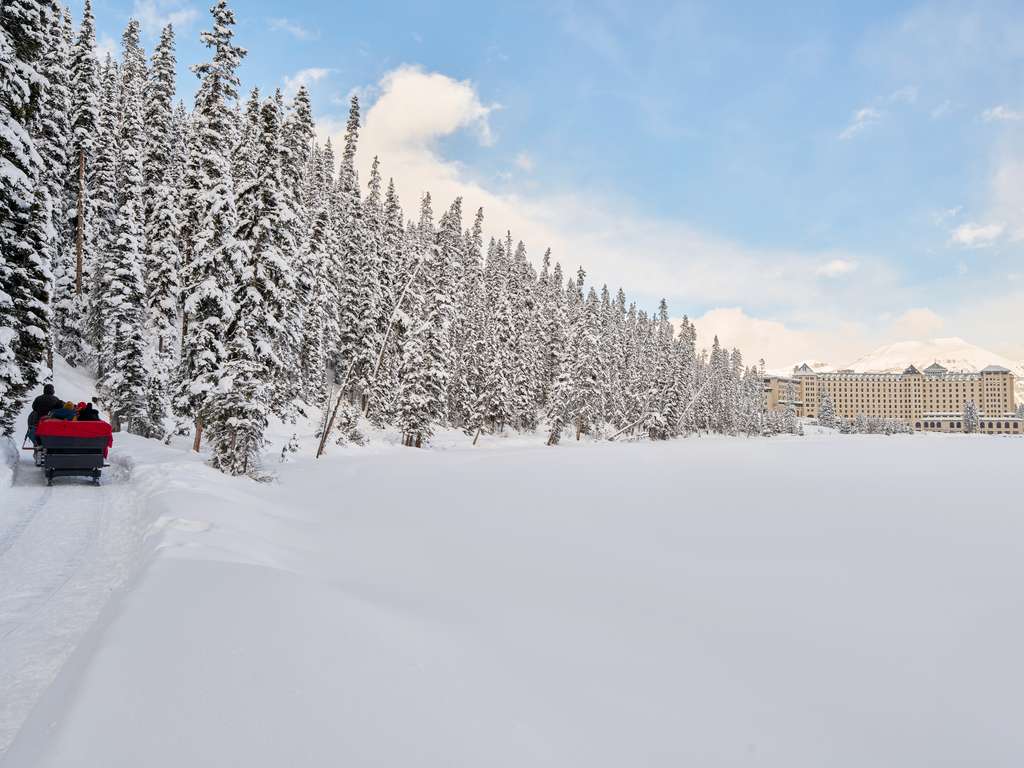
(63, 551)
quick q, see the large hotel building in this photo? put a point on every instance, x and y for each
(928, 400)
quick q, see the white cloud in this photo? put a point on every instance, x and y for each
(946, 214)
(977, 235)
(862, 119)
(783, 345)
(304, 77)
(417, 107)
(917, 323)
(524, 162)
(154, 15)
(293, 28)
(836, 268)
(942, 109)
(1002, 113)
(105, 45)
(779, 346)
(905, 95)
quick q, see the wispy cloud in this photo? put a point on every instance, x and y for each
(524, 162)
(941, 110)
(293, 28)
(946, 214)
(292, 83)
(977, 235)
(905, 95)
(154, 15)
(836, 268)
(862, 119)
(917, 323)
(1002, 113)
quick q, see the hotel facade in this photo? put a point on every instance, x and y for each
(928, 400)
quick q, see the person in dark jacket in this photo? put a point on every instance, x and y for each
(41, 407)
(88, 413)
(46, 402)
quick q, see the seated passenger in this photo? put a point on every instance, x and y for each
(45, 403)
(41, 406)
(86, 412)
(65, 413)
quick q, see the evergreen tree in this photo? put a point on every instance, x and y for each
(211, 272)
(360, 291)
(395, 274)
(265, 286)
(422, 392)
(74, 280)
(24, 206)
(317, 282)
(971, 417)
(53, 137)
(102, 183)
(162, 177)
(827, 411)
(238, 405)
(125, 381)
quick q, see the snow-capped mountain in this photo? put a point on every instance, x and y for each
(952, 353)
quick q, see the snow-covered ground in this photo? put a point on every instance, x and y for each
(825, 600)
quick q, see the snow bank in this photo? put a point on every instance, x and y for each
(841, 601)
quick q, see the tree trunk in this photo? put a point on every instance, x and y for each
(80, 227)
(199, 435)
(476, 437)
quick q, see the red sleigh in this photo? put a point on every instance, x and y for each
(72, 448)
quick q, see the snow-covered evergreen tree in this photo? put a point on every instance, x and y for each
(74, 279)
(827, 410)
(971, 417)
(53, 137)
(211, 271)
(360, 290)
(316, 275)
(422, 392)
(125, 382)
(265, 286)
(102, 183)
(162, 173)
(24, 207)
(395, 275)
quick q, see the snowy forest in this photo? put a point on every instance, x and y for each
(217, 268)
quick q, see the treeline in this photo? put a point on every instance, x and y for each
(217, 267)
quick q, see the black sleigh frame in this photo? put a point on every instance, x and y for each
(71, 457)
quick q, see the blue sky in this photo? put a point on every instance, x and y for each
(810, 179)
